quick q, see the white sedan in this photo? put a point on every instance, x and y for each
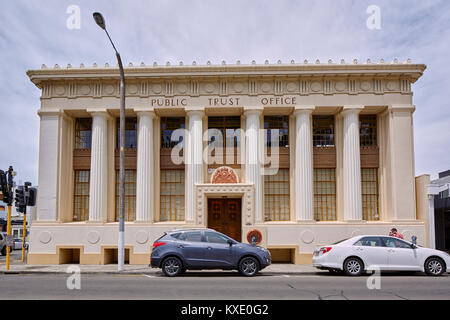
(364, 253)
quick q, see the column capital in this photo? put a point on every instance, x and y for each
(99, 113)
(304, 110)
(145, 112)
(49, 112)
(195, 111)
(352, 109)
(253, 110)
(400, 108)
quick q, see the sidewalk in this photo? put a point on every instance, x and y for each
(20, 268)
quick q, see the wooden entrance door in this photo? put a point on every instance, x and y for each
(224, 215)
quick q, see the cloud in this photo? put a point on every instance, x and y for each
(33, 32)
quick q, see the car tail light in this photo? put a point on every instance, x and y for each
(158, 244)
(325, 250)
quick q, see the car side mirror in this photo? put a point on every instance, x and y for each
(413, 246)
(230, 242)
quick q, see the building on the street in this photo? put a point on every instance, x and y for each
(439, 211)
(314, 153)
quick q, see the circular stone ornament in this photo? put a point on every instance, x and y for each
(307, 237)
(45, 237)
(142, 237)
(93, 237)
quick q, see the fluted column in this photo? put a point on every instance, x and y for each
(145, 168)
(99, 167)
(194, 160)
(352, 164)
(303, 165)
(252, 159)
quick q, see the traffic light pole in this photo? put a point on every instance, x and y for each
(8, 248)
(24, 234)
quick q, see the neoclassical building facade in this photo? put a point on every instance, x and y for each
(307, 154)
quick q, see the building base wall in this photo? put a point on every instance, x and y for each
(91, 244)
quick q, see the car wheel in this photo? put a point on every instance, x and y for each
(248, 267)
(434, 267)
(353, 267)
(172, 267)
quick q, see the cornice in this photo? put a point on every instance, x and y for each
(228, 71)
(228, 80)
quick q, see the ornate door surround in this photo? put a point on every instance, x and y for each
(210, 191)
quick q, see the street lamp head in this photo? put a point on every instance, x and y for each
(99, 20)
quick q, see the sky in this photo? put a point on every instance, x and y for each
(36, 32)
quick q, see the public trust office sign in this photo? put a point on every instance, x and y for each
(216, 101)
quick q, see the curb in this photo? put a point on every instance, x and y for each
(158, 273)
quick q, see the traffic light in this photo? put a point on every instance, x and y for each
(30, 194)
(20, 204)
(31, 199)
(4, 188)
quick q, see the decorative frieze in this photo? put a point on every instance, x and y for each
(223, 88)
(72, 90)
(97, 89)
(266, 81)
(263, 87)
(195, 89)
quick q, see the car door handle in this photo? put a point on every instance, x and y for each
(209, 248)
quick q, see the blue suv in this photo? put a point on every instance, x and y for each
(194, 249)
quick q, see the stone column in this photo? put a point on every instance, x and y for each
(252, 159)
(401, 160)
(49, 145)
(99, 167)
(145, 168)
(352, 164)
(194, 161)
(303, 165)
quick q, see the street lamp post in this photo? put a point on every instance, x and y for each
(121, 242)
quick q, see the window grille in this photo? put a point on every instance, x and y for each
(172, 195)
(130, 133)
(280, 123)
(369, 188)
(83, 133)
(323, 131)
(168, 126)
(81, 196)
(368, 130)
(325, 194)
(130, 195)
(276, 196)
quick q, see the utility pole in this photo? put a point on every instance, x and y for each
(10, 185)
(121, 241)
(27, 201)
